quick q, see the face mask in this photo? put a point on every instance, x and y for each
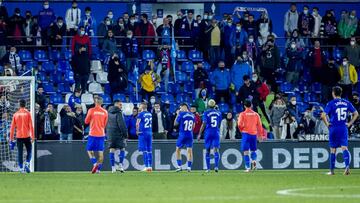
(154, 21)
(238, 28)
(352, 43)
(315, 12)
(246, 18)
(210, 17)
(18, 14)
(344, 63)
(110, 16)
(244, 57)
(230, 24)
(352, 17)
(121, 24)
(46, 6)
(87, 14)
(129, 36)
(60, 24)
(107, 22)
(293, 46)
(306, 114)
(203, 93)
(293, 103)
(254, 79)
(251, 40)
(205, 17)
(152, 101)
(82, 32)
(12, 52)
(132, 21)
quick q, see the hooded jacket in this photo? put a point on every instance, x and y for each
(116, 126)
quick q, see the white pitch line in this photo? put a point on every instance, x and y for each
(299, 192)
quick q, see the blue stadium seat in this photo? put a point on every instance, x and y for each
(106, 99)
(181, 77)
(48, 67)
(286, 87)
(195, 56)
(181, 55)
(239, 108)
(69, 77)
(121, 56)
(49, 88)
(206, 66)
(224, 108)
(189, 87)
(173, 107)
(67, 55)
(120, 97)
(148, 55)
(40, 56)
(41, 76)
(167, 97)
(56, 78)
(64, 88)
(107, 89)
(55, 55)
(134, 100)
(1, 70)
(181, 98)
(302, 106)
(56, 99)
(187, 66)
(63, 66)
(316, 87)
(25, 55)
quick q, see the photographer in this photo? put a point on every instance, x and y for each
(288, 125)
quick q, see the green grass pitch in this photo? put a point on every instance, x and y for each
(290, 186)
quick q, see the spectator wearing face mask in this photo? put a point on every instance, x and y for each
(197, 122)
(202, 101)
(81, 67)
(79, 123)
(328, 30)
(239, 70)
(288, 126)
(117, 76)
(75, 99)
(293, 109)
(293, 60)
(89, 22)
(228, 127)
(131, 124)
(248, 91)
(164, 31)
(73, 20)
(67, 123)
(221, 79)
(81, 40)
(13, 59)
(3, 11)
(119, 30)
(177, 23)
(348, 77)
(295, 38)
(46, 18)
(145, 30)
(30, 28)
(317, 22)
(200, 78)
(132, 23)
(110, 15)
(226, 41)
(316, 61)
(347, 25)
(15, 29)
(109, 45)
(352, 52)
(102, 30)
(57, 33)
(148, 81)
(291, 20)
(251, 48)
(130, 49)
(332, 78)
(276, 113)
(47, 118)
(265, 27)
(263, 91)
(356, 101)
(306, 124)
(238, 38)
(270, 61)
(214, 33)
(159, 122)
(306, 24)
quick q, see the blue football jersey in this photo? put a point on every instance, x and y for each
(338, 111)
(212, 118)
(186, 122)
(145, 126)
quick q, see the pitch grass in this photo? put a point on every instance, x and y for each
(158, 187)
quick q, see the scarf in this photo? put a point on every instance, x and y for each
(47, 124)
(14, 60)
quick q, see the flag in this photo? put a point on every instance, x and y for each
(173, 53)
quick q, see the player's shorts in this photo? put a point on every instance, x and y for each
(212, 141)
(117, 143)
(248, 142)
(338, 136)
(95, 143)
(145, 142)
(185, 140)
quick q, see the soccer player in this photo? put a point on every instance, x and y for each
(144, 132)
(22, 122)
(249, 124)
(97, 118)
(117, 132)
(338, 110)
(211, 124)
(185, 120)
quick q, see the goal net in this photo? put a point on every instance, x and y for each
(13, 89)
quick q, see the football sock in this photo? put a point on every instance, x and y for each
(179, 163)
(122, 156)
(93, 160)
(332, 161)
(207, 157)
(247, 161)
(145, 158)
(149, 156)
(189, 163)
(347, 158)
(217, 157)
(99, 166)
(112, 159)
(253, 156)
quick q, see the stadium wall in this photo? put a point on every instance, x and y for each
(57, 156)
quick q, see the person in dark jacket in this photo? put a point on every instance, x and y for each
(81, 68)
(316, 61)
(306, 24)
(145, 30)
(109, 45)
(81, 40)
(118, 133)
(102, 29)
(159, 124)
(130, 49)
(117, 76)
(16, 23)
(119, 30)
(131, 124)
(3, 11)
(201, 78)
(79, 123)
(306, 125)
(249, 91)
(46, 18)
(332, 78)
(67, 123)
(270, 61)
(57, 32)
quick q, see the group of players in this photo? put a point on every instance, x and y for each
(249, 123)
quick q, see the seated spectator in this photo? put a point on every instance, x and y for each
(81, 41)
(117, 76)
(13, 59)
(145, 30)
(306, 124)
(48, 119)
(67, 123)
(89, 22)
(131, 124)
(228, 128)
(148, 81)
(276, 113)
(102, 30)
(159, 122)
(352, 52)
(293, 66)
(130, 49)
(200, 78)
(119, 30)
(75, 99)
(40, 97)
(57, 33)
(288, 126)
(347, 24)
(239, 70)
(109, 45)
(202, 100)
(81, 68)
(220, 79)
(198, 121)
(79, 123)
(348, 77)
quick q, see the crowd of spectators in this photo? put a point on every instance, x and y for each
(240, 59)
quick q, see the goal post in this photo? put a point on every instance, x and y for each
(13, 89)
